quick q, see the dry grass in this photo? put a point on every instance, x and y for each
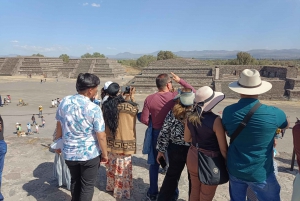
(131, 70)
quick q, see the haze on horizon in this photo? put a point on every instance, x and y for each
(110, 27)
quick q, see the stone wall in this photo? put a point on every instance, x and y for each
(283, 79)
(276, 93)
(265, 71)
(193, 71)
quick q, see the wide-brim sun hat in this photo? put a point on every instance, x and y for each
(186, 98)
(206, 99)
(250, 83)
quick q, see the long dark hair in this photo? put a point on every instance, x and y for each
(111, 113)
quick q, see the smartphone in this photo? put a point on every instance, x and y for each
(162, 162)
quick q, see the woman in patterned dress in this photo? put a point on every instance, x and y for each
(171, 139)
(120, 120)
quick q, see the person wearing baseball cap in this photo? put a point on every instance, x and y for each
(250, 154)
(171, 144)
(104, 94)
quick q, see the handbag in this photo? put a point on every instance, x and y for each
(212, 169)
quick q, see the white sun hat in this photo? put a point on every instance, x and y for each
(250, 83)
(206, 99)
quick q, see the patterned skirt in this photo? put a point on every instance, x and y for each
(119, 175)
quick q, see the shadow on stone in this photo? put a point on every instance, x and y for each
(141, 162)
(45, 186)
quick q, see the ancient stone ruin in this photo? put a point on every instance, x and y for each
(286, 85)
(55, 67)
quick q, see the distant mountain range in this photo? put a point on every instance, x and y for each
(210, 54)
(221, 54)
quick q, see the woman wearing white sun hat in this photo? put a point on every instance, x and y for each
(205, 132)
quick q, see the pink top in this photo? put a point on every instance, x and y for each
(159, 104)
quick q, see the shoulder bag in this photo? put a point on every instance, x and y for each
(212, 169)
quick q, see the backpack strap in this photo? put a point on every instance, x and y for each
(243, 124)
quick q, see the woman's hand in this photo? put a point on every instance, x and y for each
(159, 155)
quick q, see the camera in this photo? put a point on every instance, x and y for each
(126, 89)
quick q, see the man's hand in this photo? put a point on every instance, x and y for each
(175, 77)
(159, 155)
(104, 159)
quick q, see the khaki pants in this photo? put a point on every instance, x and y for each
(199, 191)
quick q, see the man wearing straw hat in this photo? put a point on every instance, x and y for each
(250, 154)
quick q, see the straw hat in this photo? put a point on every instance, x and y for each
(206, 99)
(250, 83)
(186, 98)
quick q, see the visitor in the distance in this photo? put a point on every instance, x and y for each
(81, 125)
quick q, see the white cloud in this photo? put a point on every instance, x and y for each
(95, 5)
(85, 4)
(111, 48)
(89, 47)
(34, 48)
(14, 41)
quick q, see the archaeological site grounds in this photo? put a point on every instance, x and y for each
(28, 173)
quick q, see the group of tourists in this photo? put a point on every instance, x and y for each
(55, 102)
(182, 129)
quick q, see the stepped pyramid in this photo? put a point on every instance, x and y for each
(107, 68)
(195, 72)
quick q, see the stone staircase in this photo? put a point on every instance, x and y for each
(2, 60)
(30, 66)
(9, 66)
(108, 68)
(84, 66)
(68, 69)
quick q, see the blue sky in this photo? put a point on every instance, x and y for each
(76, 27)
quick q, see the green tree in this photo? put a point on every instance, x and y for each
(163, 55)
(244, 58)
(144, 61)
(98, 55)
(86, 55)
(64, 57)
(38, 55)
(94, 55)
